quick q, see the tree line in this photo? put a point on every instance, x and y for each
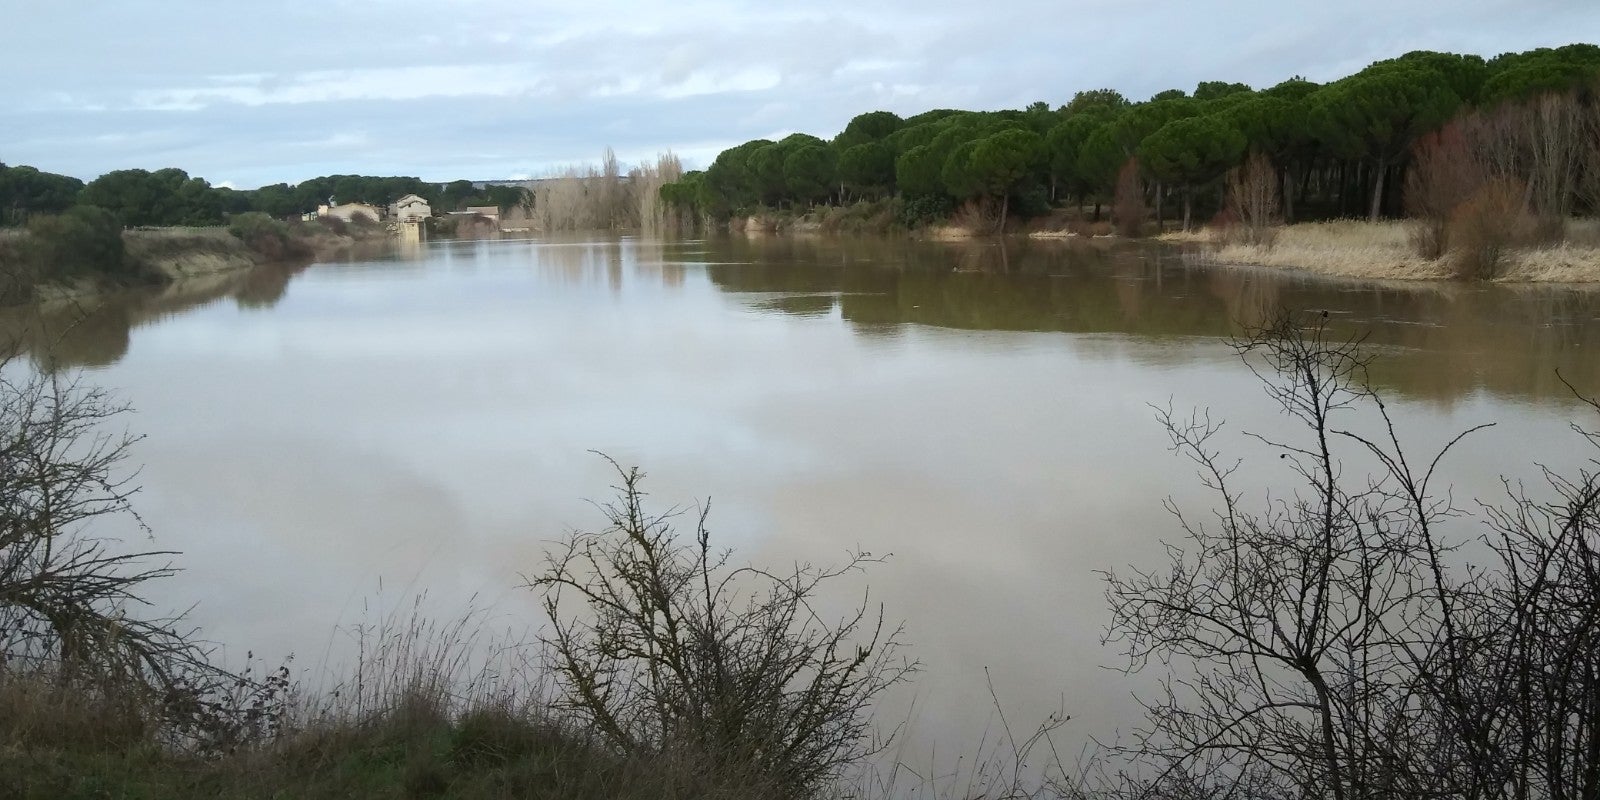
(168, 197)
(1339, 149)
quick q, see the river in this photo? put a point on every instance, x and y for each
(424, 421)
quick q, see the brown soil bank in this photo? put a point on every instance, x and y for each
(1389, 250)
(175, 253)
(162, 256)
(181, 252)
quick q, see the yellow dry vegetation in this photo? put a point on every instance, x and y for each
(948, 233)
(1196, 236)
(1384, 250)
(1562, 263)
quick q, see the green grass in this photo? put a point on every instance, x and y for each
(61, 748)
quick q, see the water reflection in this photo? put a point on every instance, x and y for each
(425, 419)
(1441, 341)
(94, 330)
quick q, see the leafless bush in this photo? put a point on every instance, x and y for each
(1128, 211)
(1253, 199)
(663, 647)
(1338, 644)
(70, 599)
(1299, 637)
(63, 593)
(1484, 227)
(977, 216)
(1445, 171)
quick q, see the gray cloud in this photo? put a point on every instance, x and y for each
(254, 93)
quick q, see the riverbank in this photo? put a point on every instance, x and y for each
(1387, 251)
(894, 216)
(162, 256)
(411, 743)
(1339, 249)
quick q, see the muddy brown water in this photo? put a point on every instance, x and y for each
(424, 421)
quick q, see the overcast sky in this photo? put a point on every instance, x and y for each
(247, 93)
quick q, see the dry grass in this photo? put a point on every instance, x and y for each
(1344, 249)
(948, 233)
(1562, 263)
(1351, 249)
(1196, 236)
(427, 709)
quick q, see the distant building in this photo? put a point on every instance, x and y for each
(349, 211)
(410, 208)
(491, 212)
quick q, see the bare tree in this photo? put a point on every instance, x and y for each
(1128, 210)
(1589, 155)
(64, 594)
(72, 610)
(663, 647)
(1553, 132)
(1337, 644)
(1444, 172)
(1542, 144)
(1253, 197)
(1541, 634)
(644, 184)
(602, 198)
(1301, 637)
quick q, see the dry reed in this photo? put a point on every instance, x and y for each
(1386, 250)
(1343, 248)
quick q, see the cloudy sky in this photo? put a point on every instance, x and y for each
(247, 93)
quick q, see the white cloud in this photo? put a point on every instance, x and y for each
(707, 82)
(488, 88)
(331, 86)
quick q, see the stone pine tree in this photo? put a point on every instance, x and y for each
(1192, 152)
(1378, 114)
(1063, 143)
(1002, 162)
(867, 169)
(810, 173)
